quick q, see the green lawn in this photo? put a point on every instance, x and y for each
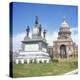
(59, 68)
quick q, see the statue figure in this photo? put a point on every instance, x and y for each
(36, 21)
(40, 29)
(28, 30)
(44, 33)
(64, 18)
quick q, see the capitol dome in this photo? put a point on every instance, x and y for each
(64, 23)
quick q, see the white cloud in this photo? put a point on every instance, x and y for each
(50, 38)
(17, 40)
(74, 34)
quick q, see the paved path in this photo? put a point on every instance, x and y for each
(72, 72)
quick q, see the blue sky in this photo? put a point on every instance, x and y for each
(50, 16)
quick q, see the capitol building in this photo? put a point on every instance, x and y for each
(64, 46)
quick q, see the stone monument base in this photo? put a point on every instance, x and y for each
(32, 57)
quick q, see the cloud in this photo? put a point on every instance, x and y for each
(50, 38)
(74, 34)
(17, 40)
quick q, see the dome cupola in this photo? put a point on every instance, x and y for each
(64, 23)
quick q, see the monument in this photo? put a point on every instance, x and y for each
(64, 47)
(34, 49)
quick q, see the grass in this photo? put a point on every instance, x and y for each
(59, 68)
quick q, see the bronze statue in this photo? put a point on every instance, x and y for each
(36, 21)
(40, 29)
(28, 30)
(44, 33)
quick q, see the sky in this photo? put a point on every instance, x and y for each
(50, 17)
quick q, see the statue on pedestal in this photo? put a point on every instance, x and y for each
(40, 29)
(28, 30)
(44, 33)
(36, 21)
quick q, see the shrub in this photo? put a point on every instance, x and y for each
(76, 63)
(55, 60)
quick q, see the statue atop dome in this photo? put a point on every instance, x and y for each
(64, 23)
(64, 18)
